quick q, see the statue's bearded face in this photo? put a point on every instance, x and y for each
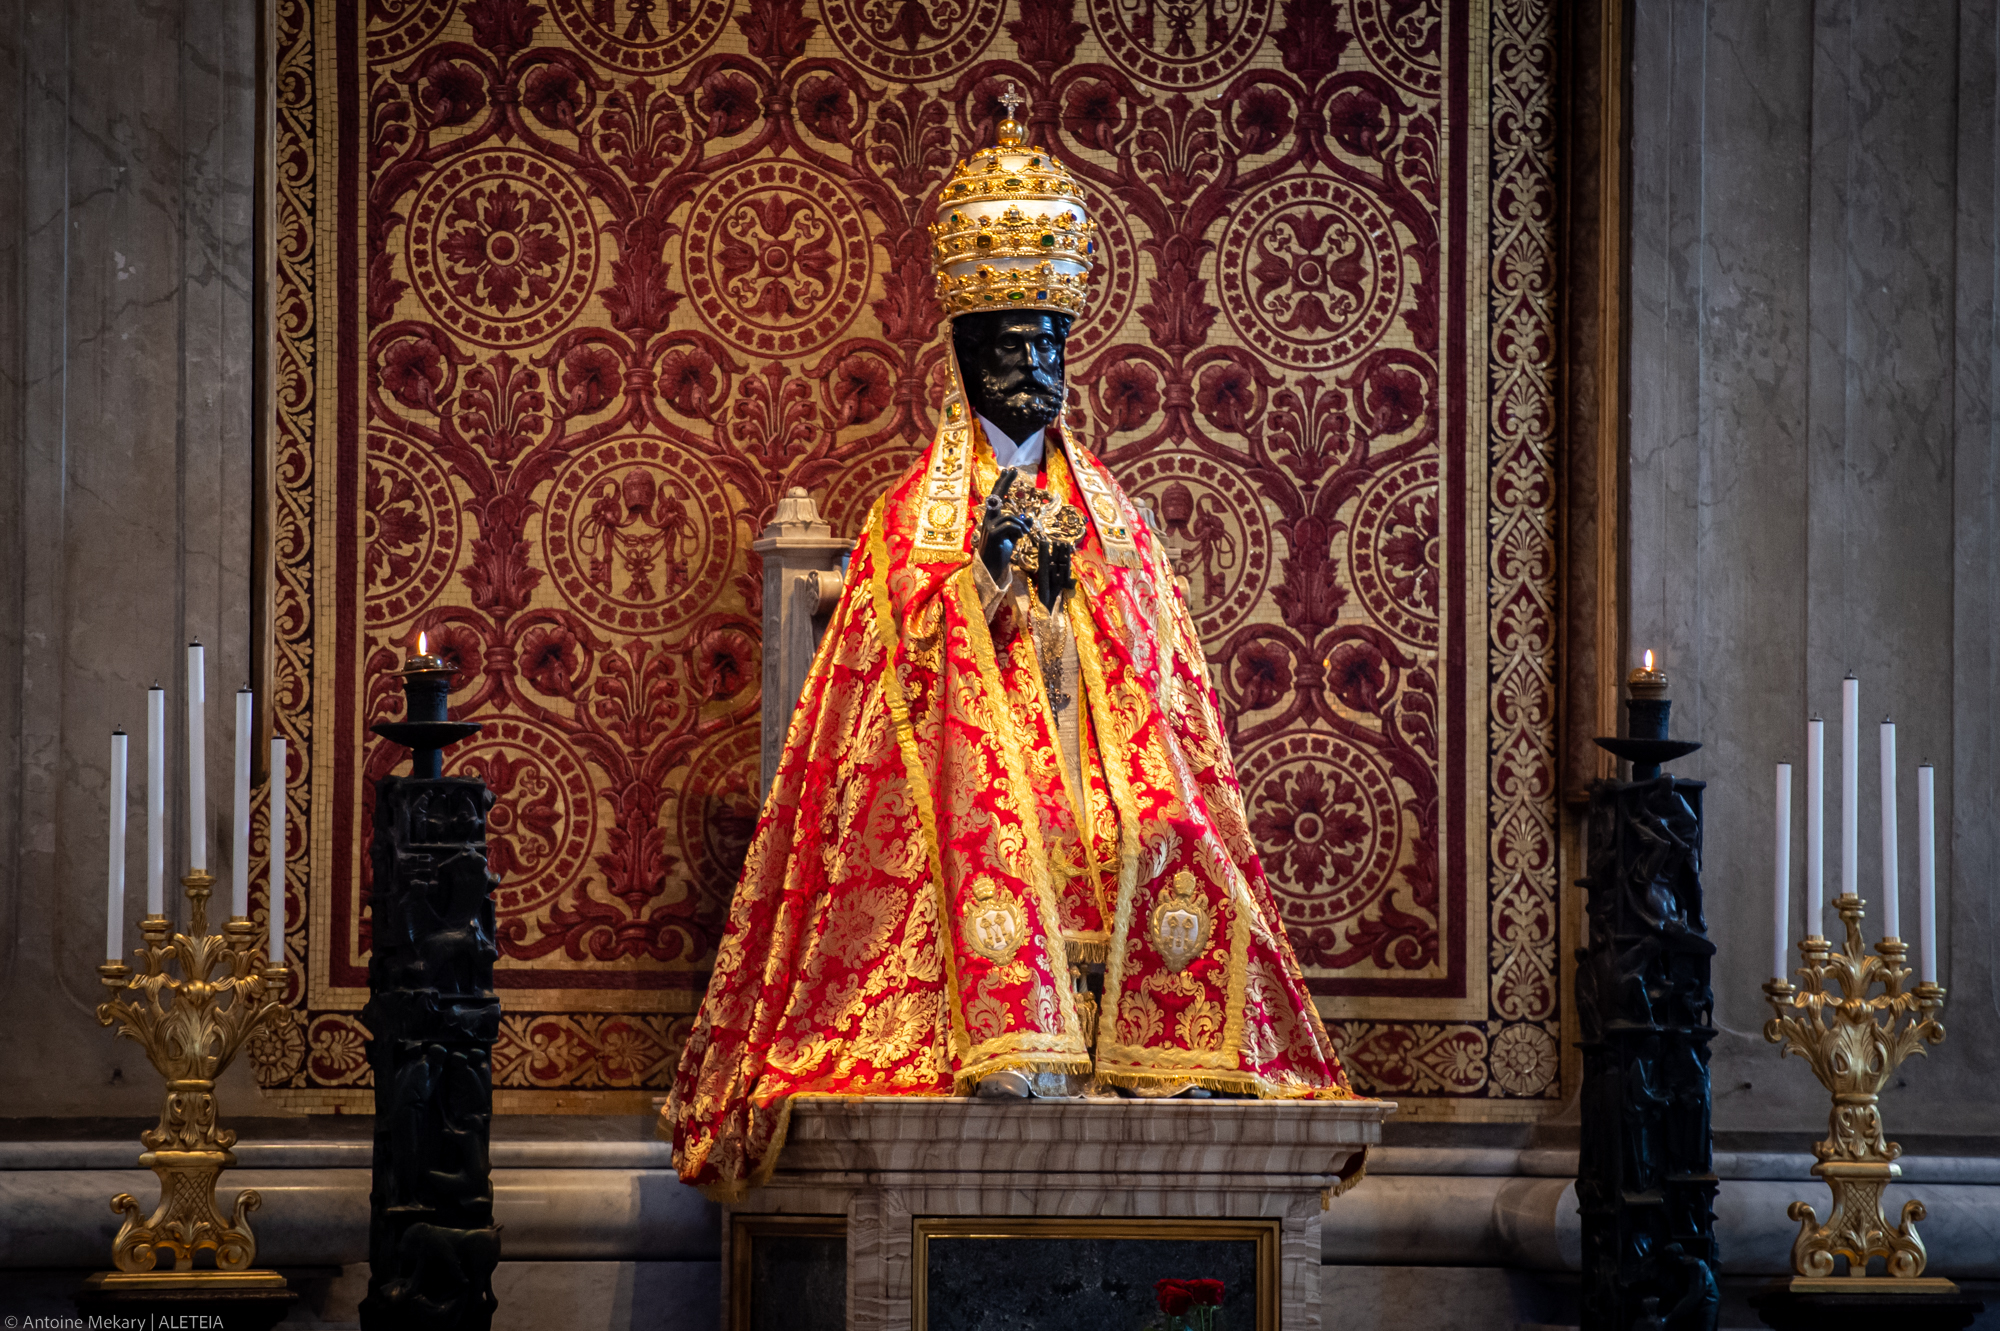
(1012, 364)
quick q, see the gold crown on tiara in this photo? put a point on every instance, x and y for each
(1012, 233)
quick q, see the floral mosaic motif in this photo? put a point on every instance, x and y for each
(586, 1052)
(1313, 825)
(503, 251)
(1416, 1058)
(502, 246)
(1314, 270)
(623, 282)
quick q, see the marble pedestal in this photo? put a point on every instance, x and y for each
(884, 1162)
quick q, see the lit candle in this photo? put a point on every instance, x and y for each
(239, 811)
(1891, 918)
(1815, 828)
(1850, 787)
(277, 904)
(114, 910)
(197, 771)
(1781, 878)
(156, 801)
(1927, 873)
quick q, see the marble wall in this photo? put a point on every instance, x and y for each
(1813, 465)
(125, 306)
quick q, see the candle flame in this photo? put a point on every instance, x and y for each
(424, 650)
(1649, 658)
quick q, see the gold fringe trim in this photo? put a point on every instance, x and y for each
(1348, 1178)
(1236, 1083)
(968, 1078)
(1087, 951)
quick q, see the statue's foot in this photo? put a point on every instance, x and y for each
(1060, 1085)
(1004, 1086)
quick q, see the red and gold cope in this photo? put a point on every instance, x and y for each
(926, 872)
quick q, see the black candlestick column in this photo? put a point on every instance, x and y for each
(1646, 1180)
(433, 1015)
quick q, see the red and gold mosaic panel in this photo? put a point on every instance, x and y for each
(571, 291)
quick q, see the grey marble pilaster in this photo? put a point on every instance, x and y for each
(126, 362)
(1812, 471)
(1971, 922)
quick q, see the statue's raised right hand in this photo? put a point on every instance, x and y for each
(999, 532)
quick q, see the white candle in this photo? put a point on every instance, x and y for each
(239, 846)
(277, 911)
(156, 801)
(1815, 828)
(1927, 873)
(1781, 878)
(1850, 787)
(114, 909)
(197, 770)
(1891, 917)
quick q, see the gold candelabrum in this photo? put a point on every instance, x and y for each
(1855, 1042)
(190, 1027)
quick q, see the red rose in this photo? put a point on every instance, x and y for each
(1172, 1296)
(1205, 1293)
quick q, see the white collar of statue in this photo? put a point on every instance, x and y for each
(1025, 454)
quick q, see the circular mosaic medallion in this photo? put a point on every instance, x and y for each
(641, 36)
(1403, 41)
(398, 27)
(1395, 551)
(1224, 538)
(638, 535)
(1326, 822)
(715, 816)
(1523, 1060)
(776, 258)
(859, 483)
(1112, 283)
(543, 822)
(1180, 43)
(502, 248)
(907, 41)
(410, 524)
(1311, 276)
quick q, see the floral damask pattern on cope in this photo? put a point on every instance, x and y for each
(571, 291)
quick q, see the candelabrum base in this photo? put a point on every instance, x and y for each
(1854, 1040)
(191, 1025)
(238, 1300)
(1864, 1286)
(208, 1281)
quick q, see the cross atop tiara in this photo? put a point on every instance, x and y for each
(1013, 101)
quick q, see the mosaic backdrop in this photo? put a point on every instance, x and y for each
(570, 292)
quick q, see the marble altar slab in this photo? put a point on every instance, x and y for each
(886, 1162)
